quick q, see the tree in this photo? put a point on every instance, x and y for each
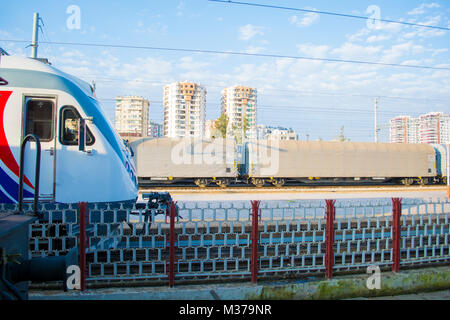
(341, 136)
(238, 130)
(220, 126)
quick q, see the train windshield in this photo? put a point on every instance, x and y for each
(107, 126)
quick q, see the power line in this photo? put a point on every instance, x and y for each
(296, 108)
(298, 92)
(263, 55)
(330, 13)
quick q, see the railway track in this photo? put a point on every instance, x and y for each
(287, 188)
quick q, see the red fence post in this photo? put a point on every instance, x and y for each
(172, 245)
(396, 214)
(329, 238)
(254, 266)
(82, 214)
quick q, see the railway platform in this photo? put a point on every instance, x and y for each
(418, 283)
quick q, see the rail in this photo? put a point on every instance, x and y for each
(27, 138)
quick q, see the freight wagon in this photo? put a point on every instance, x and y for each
(168, 160)
(277, 162)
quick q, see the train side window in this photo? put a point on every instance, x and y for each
(39, 119)
(69, 127)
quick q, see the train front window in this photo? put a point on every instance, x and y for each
(69, 127)
(39, 119)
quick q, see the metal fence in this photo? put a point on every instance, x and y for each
(202, 241)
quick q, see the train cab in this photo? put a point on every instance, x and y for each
(82, 156)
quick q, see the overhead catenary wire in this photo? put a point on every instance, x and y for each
(263, 55)
(298, 92)
(269, 6)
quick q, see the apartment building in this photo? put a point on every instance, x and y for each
(432, 128)
(184, 109)
(239, 103)
(155, 130)
(280, 133)
(275, 133)
(132, 116)
(404, 129)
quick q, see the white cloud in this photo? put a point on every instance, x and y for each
(253, 50)
(307, 19)
(422, 8)
(377, 38)
(398, 51)
(354, 51)
(249, 31)
(180, 9)
(438, 51)
(426, 32)
(316, 51)
(359, 35)
(188, 63)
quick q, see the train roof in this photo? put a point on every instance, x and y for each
(25, 64)
(338, 145)
(25, 72)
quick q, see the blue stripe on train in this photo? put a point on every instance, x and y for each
(4, 198)
(11, 187)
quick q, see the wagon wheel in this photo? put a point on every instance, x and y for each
(258, 182)
(423, 181)
(202, 183)
(408, 181)
(223, 182)
(278, 182)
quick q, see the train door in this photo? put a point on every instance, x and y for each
(39, 118)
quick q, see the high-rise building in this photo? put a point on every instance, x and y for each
(155, 130)
(239, 103)
(184, 109)
(432, 128)
(132, 116)
(404, 129)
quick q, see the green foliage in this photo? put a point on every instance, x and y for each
(341, 136)
(220, 126)
(238, 130)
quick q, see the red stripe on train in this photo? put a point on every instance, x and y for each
(6, 155)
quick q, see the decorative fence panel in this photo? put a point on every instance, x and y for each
(215, 240)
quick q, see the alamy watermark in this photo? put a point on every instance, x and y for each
(263, 156)
(373, 23)
(374, 280)
(73, 280)
(74, 19)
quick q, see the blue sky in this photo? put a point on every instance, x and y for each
(315, 98)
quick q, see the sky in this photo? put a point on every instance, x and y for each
(315, 98)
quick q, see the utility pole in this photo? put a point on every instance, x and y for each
(34, 43)
(448, 171)
(376, 120)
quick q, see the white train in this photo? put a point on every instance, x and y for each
(36, 98)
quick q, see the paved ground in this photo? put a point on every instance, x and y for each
(304, 193)
(438, 295)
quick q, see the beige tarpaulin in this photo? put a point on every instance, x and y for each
(184, 158)
(293, 159)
